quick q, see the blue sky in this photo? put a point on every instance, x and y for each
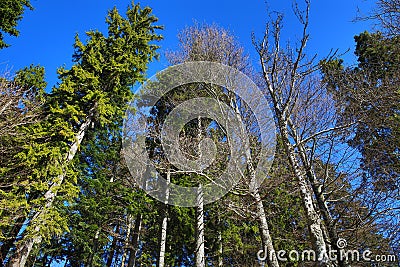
(47, 33)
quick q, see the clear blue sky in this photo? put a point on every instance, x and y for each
(47, 33)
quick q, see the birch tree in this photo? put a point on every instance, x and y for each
(289, 78)
(211, 43)
(386, 14)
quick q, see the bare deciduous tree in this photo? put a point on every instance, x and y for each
(212, 43)
(300, 104)
(387, 13)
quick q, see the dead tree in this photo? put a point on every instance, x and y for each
(289, 80)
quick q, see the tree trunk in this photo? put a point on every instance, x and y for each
(112, 248)
(330, 230)
(135, 241)
(268, 246)
(266, 238)
(314, 221)
(126, 244)
(24, 248)
(95, 245)
(163, 239)
(200, 256)
(220, 247)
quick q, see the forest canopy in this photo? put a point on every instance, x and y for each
(73, 194)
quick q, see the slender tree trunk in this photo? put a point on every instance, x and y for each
(220, 247)
(135, 241)
(112, 248)
(315, 225)
(314, 221)
(330, 230)
(164, 223)
(24, 248)
(200, 255)
(266, 238)
(127, 238)
(163, 241)
(95, 245)
(271, 59)
(268, 246)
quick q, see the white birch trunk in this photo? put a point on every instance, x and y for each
(269, 249)
(266, 238)
(330, 232)
(24, 248)
(200, 255)
(163, 240)
(314, 221)
(220, 250)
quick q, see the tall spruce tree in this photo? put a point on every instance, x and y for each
(369, 97)
(11, 12)
(91, 94)
(22, 99)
